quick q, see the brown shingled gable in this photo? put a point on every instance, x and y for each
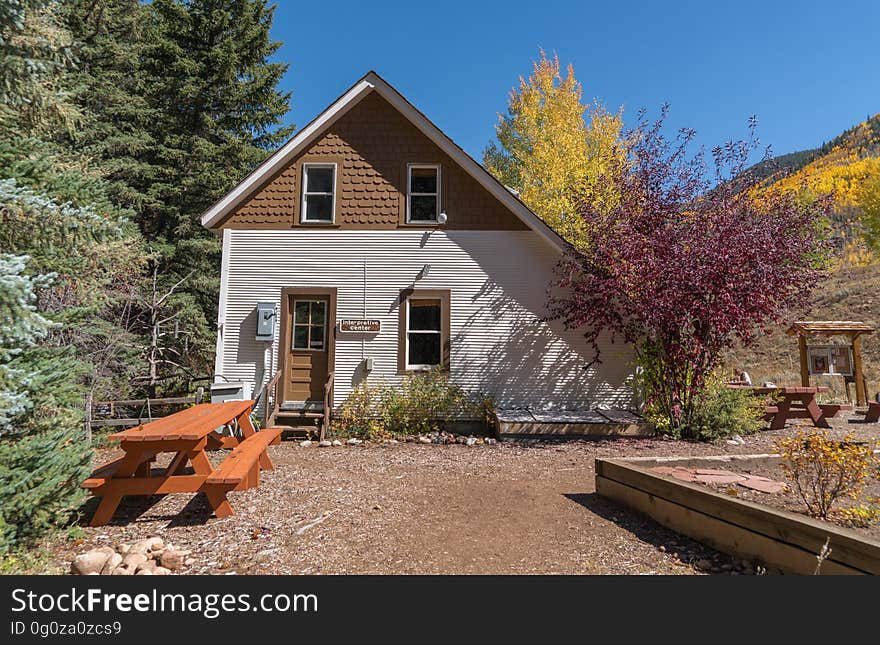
(372, 145)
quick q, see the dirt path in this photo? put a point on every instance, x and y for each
(424, 509)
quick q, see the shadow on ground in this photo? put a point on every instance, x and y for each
(648, 531)
(133, 507)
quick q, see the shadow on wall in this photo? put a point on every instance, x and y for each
(250, 351)
(516, 369)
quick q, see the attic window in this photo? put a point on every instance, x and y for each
(319, 193)
(423, 193)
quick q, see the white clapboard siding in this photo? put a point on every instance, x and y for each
(498, 282)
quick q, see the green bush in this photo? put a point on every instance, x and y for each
(422, 403)
(719, 412)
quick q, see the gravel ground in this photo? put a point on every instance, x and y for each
(509, 508)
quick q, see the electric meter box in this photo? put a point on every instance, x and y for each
(266, 316)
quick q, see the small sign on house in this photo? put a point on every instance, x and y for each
(360, 324)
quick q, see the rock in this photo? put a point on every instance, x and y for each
(423, 439)
(189, 562)
(161, 571)
(91, 561)
(174, 559)
(146, 545)
(149, 565)
(705, 564)
(325, 444)
(491, 441)
(112, 562)
(123, 570)
(123, 548)
(461, 439)
(377, 507)
(337, 442)
(393, 441)
(354, 441)
(661, 548)
(305, 444)
(738, 439)
(471, 441)
(409, 439)
(143, 572)
(265, 555)
(480, 441)
(134, 559)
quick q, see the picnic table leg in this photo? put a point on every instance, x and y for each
(815, 411)
(201, 464)
(217, 500)
(782, 410)
(178, 464)
(106, 509)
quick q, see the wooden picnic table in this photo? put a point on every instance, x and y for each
(188, 434)
(792, 402)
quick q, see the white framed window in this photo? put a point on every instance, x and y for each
(422, 193)
(319, 193)
(310, 325)
(424, 333)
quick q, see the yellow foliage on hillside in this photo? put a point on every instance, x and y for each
(840, 171)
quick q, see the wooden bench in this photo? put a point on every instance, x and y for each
(240, 470)
(873, 415)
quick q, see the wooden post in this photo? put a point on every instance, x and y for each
(88, 419)
(861, 395)
(805, 362)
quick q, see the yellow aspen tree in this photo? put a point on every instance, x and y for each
(556, 151)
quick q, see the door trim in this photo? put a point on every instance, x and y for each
(284, 337)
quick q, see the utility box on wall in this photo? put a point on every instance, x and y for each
(231, 391)
(266, 316)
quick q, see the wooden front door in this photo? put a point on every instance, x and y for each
(309, 325)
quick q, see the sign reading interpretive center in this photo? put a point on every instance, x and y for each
(360, 324)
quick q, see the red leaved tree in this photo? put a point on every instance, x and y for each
(688, 263)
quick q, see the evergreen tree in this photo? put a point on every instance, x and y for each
(41, 463)
(105, 85)
(215, 112)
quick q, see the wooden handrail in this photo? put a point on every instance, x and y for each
(328, 404)
(271, 386)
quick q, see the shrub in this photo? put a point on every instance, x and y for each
(861, 516)
(359, 413)
(422, 403)
(823, 470)
(719, 412)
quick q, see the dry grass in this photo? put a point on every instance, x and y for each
(851, 293)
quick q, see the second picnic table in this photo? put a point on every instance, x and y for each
(793, 402)
(187, 434)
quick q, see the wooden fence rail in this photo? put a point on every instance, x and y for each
(145, 415)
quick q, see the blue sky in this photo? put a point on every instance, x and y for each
(807, 69)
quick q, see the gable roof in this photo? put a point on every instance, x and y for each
(372, 82)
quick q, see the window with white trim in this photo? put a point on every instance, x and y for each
(319, 193)
(423, 193)
(310, 324)
(424, 333)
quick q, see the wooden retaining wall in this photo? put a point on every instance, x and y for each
(780, 540)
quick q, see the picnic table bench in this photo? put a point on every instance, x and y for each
(188, 434)
(873, 413)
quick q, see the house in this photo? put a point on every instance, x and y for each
(381, 248)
